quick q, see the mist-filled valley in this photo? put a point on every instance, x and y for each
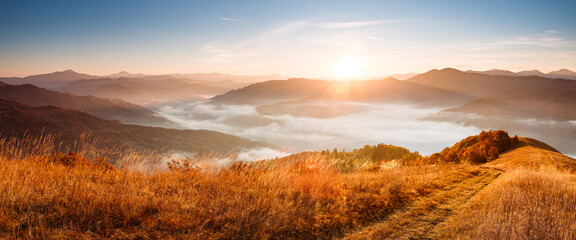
(423, 113)
(357, 125)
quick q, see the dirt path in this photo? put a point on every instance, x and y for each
(420, 219)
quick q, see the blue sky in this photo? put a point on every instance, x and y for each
(293, 38)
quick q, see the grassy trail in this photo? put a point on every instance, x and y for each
(423, 218)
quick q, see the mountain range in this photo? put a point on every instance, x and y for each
(49, 80)
(144, 91)
(445, 88)
(479, 85)
(492, 94)
(544, 104)
(387, 90)
(140, 88)
(562, 73)
(113, 109)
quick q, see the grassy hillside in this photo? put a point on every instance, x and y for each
(70, 127)
(534, 199)
(54, 196)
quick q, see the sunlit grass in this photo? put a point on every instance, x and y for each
(49, 195)
(524, 204)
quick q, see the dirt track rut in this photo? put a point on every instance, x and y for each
(422, 219)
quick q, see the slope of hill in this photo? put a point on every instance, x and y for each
(50, 80)
(545, 104)
(271, 92)
(538, 186)
(480, 85)
(115, 109)
(387, 90)
(17, 120)
(143, 91)
(533, 154)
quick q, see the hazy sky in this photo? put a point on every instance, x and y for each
(305, 38)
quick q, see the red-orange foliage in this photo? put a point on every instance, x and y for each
(482, 148)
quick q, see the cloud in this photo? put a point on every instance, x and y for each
(550, 39)
(355, 24)
(391, 124)
(334, 43)
(374, 37)
(539, 41)
(219, 51)
(251, 155)
(231, 19)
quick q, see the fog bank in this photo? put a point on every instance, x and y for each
(399, 125)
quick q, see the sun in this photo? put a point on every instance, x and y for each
(347, 68)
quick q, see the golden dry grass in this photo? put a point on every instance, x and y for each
(44, 199)
(419, 219)
(48, 196)
(524, 204)
(536, 198)
(62, 196)
(534, 155)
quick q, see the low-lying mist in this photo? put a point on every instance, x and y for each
(399, 125)
(558, 134)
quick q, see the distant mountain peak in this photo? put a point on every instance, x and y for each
(449, 69)
(530, 72)
(444, 70)
(125, 74)
(69, 71)
(563, 71)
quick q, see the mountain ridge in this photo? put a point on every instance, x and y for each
(561, 73)
(114, 109)
(480, 85)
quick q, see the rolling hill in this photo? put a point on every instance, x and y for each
(480, 85)
(114, 109)
(144, 91)
(18, 120)
(557, 104)
(533, 154)
(304, 91)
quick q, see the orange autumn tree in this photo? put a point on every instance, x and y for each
(482, 148)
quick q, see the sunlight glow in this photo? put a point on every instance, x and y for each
(347, 68)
